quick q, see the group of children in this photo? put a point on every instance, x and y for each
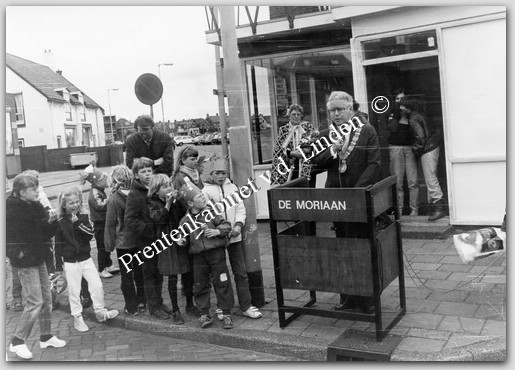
(141, 207)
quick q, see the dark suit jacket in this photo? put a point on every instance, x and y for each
(161, 145)
(362, 163)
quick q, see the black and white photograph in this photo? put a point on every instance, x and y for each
(255, 183)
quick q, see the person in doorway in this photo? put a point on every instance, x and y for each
(402, 158)
(352, 161)
(150, 143)
(291, 136)
(426, 146)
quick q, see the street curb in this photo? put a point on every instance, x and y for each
(308, 348)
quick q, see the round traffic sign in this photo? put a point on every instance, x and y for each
(148, 88)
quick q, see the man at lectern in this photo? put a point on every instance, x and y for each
(353, 160)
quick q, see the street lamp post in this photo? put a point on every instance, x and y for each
(110, 116)
(162, 98)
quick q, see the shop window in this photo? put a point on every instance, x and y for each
(401, 44)
(304, 78)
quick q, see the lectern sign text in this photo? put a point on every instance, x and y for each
(346, 204)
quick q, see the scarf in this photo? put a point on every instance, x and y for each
(295, 133)
(192, 173)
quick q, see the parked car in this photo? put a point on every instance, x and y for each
(206, 139)
(184, 139)
(217, 138)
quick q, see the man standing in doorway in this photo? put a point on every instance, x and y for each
(351, 162)
(154, 144)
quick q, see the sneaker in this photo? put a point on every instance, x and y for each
(105, 274)
(113, 269)
(160, 314)
(104, 315)
(53, 342)
(205, 321)
(167, 310)
(21, 350)
(142, 307)
(177, 318)
(253, 313)
(79, 324)
(87, 303)
(219, 314)
(193, 310)
(228, 322)
(135, 313)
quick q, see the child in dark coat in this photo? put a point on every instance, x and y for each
(114, 237)
(207, 246)
(72, 253)
(166, 212)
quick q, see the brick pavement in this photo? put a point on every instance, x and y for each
(106, 343)
(453, 309)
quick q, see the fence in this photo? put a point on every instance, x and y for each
(41, 159)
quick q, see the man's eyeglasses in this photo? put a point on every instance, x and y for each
(339, 110)
(295, 114)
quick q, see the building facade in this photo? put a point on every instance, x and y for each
(48, 109)
(453, 58)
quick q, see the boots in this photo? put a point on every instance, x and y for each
(438, 210)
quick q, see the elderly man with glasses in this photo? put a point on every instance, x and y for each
(352, 161)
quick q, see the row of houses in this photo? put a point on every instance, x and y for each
(43, 108)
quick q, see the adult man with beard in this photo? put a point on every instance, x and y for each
(350, 162)
(150, 143)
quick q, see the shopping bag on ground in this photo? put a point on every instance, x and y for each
(479, 243)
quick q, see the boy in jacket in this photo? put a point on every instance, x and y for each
(207, 246)
(72, 254)
(215, 190)
(28, 232)
(114, 237)
(140, 233)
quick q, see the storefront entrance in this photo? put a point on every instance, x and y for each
(418, 77)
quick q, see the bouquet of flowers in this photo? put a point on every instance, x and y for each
(308, 138)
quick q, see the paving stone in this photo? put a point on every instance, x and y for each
(441, 286)
(494, 328)
(427, 258)
(413, 344)
(493, 311)
(435, 275)
(486, 297)
(457, 309)
(429, 334)
(414, 305)
(460, 340)
(462, 325)
(328, 333)
(495, 279)
(453, 296)
(421, 320)
(455, 267)
(425, 266)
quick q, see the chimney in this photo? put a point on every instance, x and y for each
(49, 59)
(59, 72)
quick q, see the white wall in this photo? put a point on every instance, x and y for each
(37, 118)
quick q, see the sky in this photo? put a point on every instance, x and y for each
(109, 47)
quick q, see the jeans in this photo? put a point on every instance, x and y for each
(403, 161)
(38, 300)
(239, 270)
(103, 257)
(208, 264)
(132, 282)
(429, 163)
(17, 288)
(74, 273)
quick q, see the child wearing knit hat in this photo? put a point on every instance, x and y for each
(207, 245)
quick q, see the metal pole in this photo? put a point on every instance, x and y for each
(162, 97)
(221, 104)
(241, 149)
(110, 116)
